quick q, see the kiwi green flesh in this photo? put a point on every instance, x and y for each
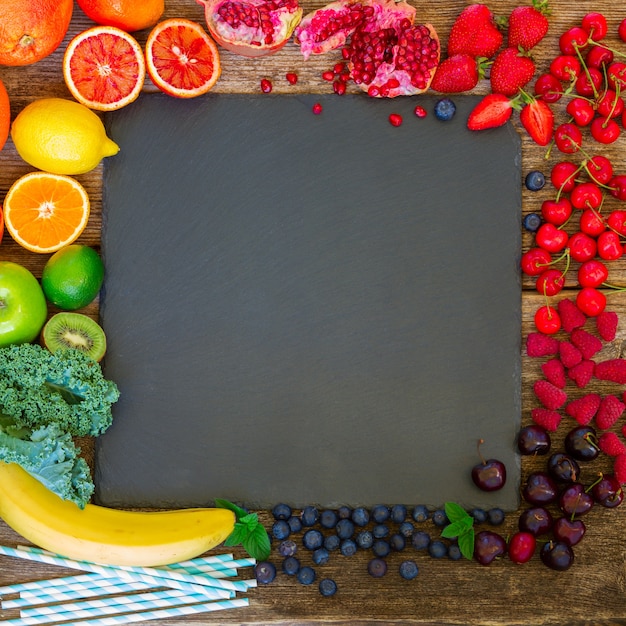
(77, 331)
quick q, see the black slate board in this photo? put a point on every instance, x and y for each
(311, 309)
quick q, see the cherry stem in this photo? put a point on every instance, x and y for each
(482, 458)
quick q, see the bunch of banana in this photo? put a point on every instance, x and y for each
(105, 535)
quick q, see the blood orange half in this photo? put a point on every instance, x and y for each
(181, 58)
(104, 68)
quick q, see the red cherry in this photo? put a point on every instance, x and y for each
(617, 221)
(568, 138)
(592, 273)
(617, 186)
(598, 57)
(621, 30)
(522, 547)
(547, 320)
(582, 247)
(535, 260)
(550, 282)
(550, 238)
(592, 223)
(549, 88)
(565, 67)
(556, 212)
(591, 301)
(605, 130)
(563, 176)
(576, 38)
(609, 246)
(586, 196)
(610, 104)
(581, 110)
(616, 75)
(595, 25)
(589, 83)
(599, 169)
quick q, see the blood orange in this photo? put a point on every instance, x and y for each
(32, 29)
(181, 58)
(5, 115)
(104, 68)
(129, 15)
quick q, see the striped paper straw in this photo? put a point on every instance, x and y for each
(217, 570)
(140, 616)
(51, 582)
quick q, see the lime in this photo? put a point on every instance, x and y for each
(72, 277)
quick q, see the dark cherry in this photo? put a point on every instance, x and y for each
(574, 500)
(569, 531)
(581, 443)
(489, 475)
(488, 545)
(522, 547)
(557, 555)
(540, 489)
(536, 520)
(533, 439)
(563, 468)
(608, 492)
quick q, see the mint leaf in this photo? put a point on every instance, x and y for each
(248, 531)
(250, 521)
(456, 529)
(456, 513)
(225, 504)
(466, 544)
(257, 543)
(240, 532)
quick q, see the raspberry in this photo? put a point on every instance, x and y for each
(588, 344)
(554, 371)
(547, 418)
(606, 323)
(538, 344)
(610, 410)
(582, 373)
(549, 395)
(619, 468)
(613, 370)
(569, 354)
(571, 316)
(583, 409)
(611, 444)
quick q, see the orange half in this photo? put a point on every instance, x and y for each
(104, 68)
(181, 58)
(44, 212)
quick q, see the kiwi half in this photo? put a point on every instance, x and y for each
(75, 330)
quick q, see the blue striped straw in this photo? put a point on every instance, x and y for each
(125, 618)
(51, 582)
(218, 571)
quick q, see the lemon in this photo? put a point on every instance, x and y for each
(72, 277)
(61, 136)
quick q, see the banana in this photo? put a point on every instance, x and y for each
(106, 535)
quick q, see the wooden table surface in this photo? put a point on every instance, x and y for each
(593, 591)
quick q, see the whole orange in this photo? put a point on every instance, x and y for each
(32, 29)
(5, 115)
(129, 15)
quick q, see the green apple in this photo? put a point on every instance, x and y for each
(23, 308)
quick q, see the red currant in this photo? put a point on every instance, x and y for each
(609, 246)
(549, 88)
(568, 138)
(591, 301)
(563, 176)
(599, 169)
(556, 212)
(582, 247)
(581, 110)
(547, 320)
(550, 238)
(576, 38)
(605, 130)
(592, 273)
(595, 25)
(592, 223)
(565, 67)
(535, 260)
(550, 282)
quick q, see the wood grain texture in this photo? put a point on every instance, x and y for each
(450, 593)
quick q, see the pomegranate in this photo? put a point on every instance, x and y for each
(387, 54)
(251, 28)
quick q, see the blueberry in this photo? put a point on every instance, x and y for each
(312, 539)
(398, 513)
(495, 516)
(437, 549)
(360, 516)
(440, 518)
(280, 530)
(420, 513)
(321, 556)
(281, 511)
(377, 568)
(295, 524)
(291, 565)
(454, 552)
(445, 109)
(344, 529)
(381, 548)
(397, 542)
(420, 540)
(479, 515)
(406, 529)
(265, 572)
(328, 587)
(344, 512)
(328, 518)
(531, 222)
(306, 575)
(310, 515)
(409, 570)
(535, 180)
(380, 513)
(331, 542)
(348, 547)
(365, 539)
(380, 531)
(288, 548)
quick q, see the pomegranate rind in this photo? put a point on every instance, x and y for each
(247, 41)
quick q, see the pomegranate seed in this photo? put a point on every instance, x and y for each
(266, 85)
(329, 76)
(317, 108)
(292, 78)
(395, 119)
(420, 111)
(339, 67)
(339, 87)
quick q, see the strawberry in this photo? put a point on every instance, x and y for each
(584, 409)
(588, 344)
(611, 444)
(547, 418)
(613, 370)
(538, 120)
(475, 32)
(460, 72)
(493, 110)
(609, 411)
(571, 316)
(582, 373)
(606, 323)
(554, 371)
(528, 25)
(511, 71)
(549, 395)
